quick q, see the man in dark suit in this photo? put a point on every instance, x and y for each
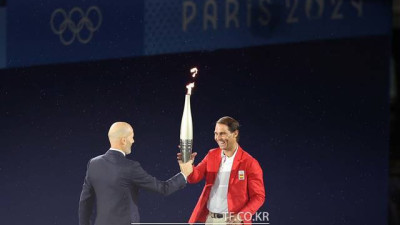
(112, 182)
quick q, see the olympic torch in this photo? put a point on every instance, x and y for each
(186, 136)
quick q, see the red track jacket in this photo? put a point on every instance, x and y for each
(246, 191)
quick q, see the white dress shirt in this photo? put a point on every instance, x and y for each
(218, 201)
(114, 149)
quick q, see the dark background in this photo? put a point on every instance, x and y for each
(314, 114)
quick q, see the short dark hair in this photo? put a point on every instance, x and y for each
(232, 124)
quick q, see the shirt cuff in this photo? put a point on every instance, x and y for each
(184, 177)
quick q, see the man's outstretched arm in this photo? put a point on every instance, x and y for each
(138, 176)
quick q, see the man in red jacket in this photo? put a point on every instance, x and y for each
(234, 188)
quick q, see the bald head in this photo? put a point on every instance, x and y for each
(119, 130)
(121, 136)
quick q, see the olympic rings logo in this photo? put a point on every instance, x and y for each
(75, 27)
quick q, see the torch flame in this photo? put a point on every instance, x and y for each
(194, 71)
(189, 87)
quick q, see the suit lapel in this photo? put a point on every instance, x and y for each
(215, 164)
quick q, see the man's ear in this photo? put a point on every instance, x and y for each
(123, 141)
(236, 133)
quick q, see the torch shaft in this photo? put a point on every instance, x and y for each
(186, 149)
(186, 136)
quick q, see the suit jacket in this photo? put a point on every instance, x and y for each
(246, 192)
(112, 183)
